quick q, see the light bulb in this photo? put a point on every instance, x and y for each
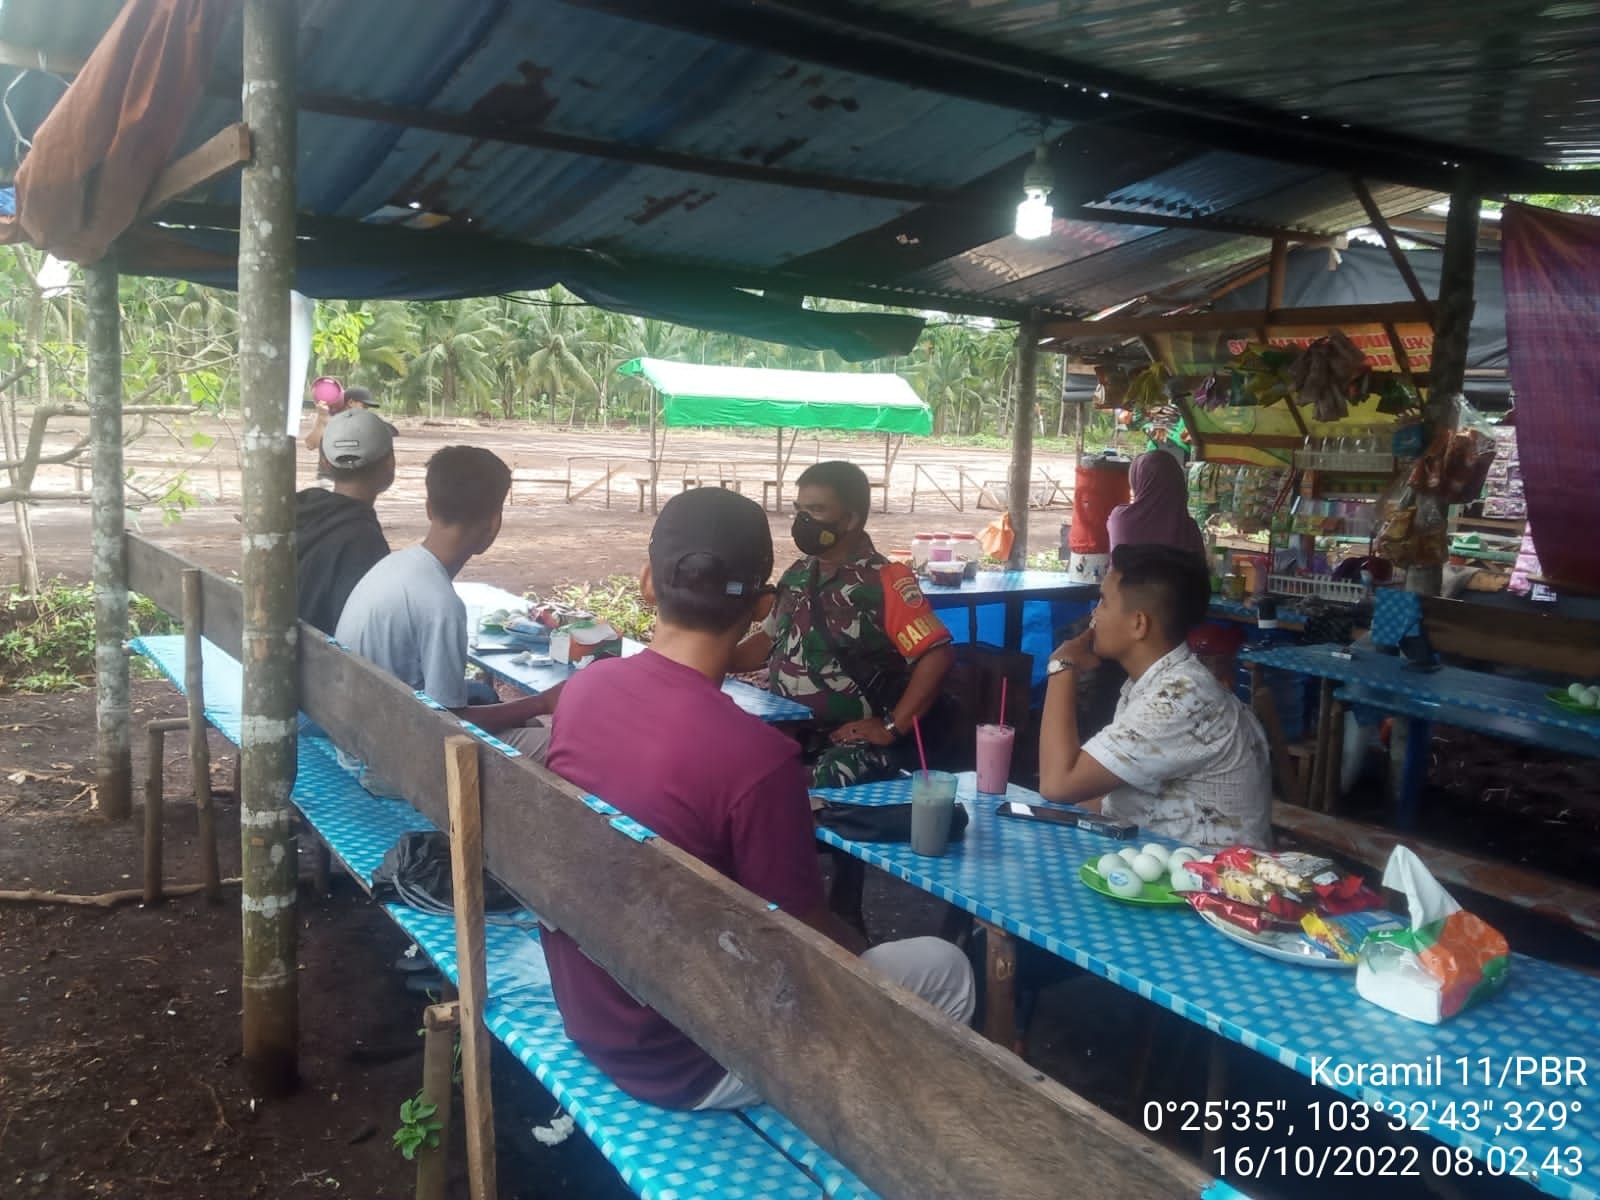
(1035, 217)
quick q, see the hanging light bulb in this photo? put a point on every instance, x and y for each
(1035, 217)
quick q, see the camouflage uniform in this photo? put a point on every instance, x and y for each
(873, 609)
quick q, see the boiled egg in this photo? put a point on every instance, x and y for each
(1157, 851)
(1182, 879)
(1148, 867)
(1183, 854)
(1109, 863)
(1128, 854)
(1124, 883)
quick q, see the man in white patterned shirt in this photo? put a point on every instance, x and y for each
(1183, 758)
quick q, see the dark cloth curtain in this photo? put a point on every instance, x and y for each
(1552, 279)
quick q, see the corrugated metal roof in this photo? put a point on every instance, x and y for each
(1517, 76)
(543, 65)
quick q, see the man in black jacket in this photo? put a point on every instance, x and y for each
(338, 538)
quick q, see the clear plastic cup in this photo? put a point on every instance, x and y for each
(474, 624)
(933, 803)
(994, 758)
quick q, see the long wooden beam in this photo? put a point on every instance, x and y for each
(1381, 224)
(216, 156)
(1328, 317)
(912, 1102)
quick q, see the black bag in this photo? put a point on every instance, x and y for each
(881, 822)
(416, 872)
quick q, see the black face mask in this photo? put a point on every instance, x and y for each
(813, 536)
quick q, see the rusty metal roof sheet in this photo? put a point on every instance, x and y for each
(395, 66)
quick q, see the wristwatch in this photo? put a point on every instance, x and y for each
(889, 726)
(1056, 666)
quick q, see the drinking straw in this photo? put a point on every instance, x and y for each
(1003, 682)
(916, 728)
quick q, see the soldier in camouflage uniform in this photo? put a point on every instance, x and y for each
(850, 636)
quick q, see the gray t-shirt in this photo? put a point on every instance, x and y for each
(405, 616)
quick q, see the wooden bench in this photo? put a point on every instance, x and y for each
(659, 1153)
(915, 1103)
(1570, 903)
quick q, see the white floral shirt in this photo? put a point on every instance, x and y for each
(1192, 759)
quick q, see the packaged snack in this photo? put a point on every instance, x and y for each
(1343, 936)
(1236, 912)
(1295, 872)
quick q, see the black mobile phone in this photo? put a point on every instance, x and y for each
(1121, 831)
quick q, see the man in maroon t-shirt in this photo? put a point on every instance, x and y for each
(655, 736)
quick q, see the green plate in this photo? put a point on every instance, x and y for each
(1560, 699)
(1158, 893)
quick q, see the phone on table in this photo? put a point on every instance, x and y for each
(1122, 831)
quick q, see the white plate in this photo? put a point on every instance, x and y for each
(1279, 944)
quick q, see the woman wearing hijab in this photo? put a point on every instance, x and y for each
(1159, 511)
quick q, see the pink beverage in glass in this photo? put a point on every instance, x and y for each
(994, 758)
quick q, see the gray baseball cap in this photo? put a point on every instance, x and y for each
(356, 438)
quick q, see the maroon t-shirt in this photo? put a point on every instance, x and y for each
(663, 744)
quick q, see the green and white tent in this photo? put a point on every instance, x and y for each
(754, 397)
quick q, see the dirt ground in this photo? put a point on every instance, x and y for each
(119, 1055)
(545, 541)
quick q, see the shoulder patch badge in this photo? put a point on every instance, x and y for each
(910, 593)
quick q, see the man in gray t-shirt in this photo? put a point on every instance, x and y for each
(405, 615)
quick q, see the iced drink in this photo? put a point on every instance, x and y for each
(933, 803)
(994, 758)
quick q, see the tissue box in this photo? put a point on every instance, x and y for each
(1447, 960)
(582, 641)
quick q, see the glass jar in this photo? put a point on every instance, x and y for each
(964, 549)
(921, 549)
(941, 548)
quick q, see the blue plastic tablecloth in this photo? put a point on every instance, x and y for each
(1022, 876)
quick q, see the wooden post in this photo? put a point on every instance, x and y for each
(113, 754)
(1452, 323)
(1266, 710)
(1022, 439)
(1321, 763)
(1000, 986)
(154, 779)
(199, 749)
(439, 1024)
(655, 464)
(266, 271)
(466, 877)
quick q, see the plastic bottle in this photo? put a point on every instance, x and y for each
(940, 549)
(965, 550)
(921, 550)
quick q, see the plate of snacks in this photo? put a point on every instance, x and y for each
(1285, 945)
(1294, 907)
(1152, 875)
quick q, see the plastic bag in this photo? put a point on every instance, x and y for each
(1456, 463)
(996, 541)
(1445, 961)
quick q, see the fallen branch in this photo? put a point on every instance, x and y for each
(104, 899)
(222, 1119)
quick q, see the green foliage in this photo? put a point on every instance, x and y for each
(48, 645)
(615, 600)
(417, 1127)
(539, 356)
